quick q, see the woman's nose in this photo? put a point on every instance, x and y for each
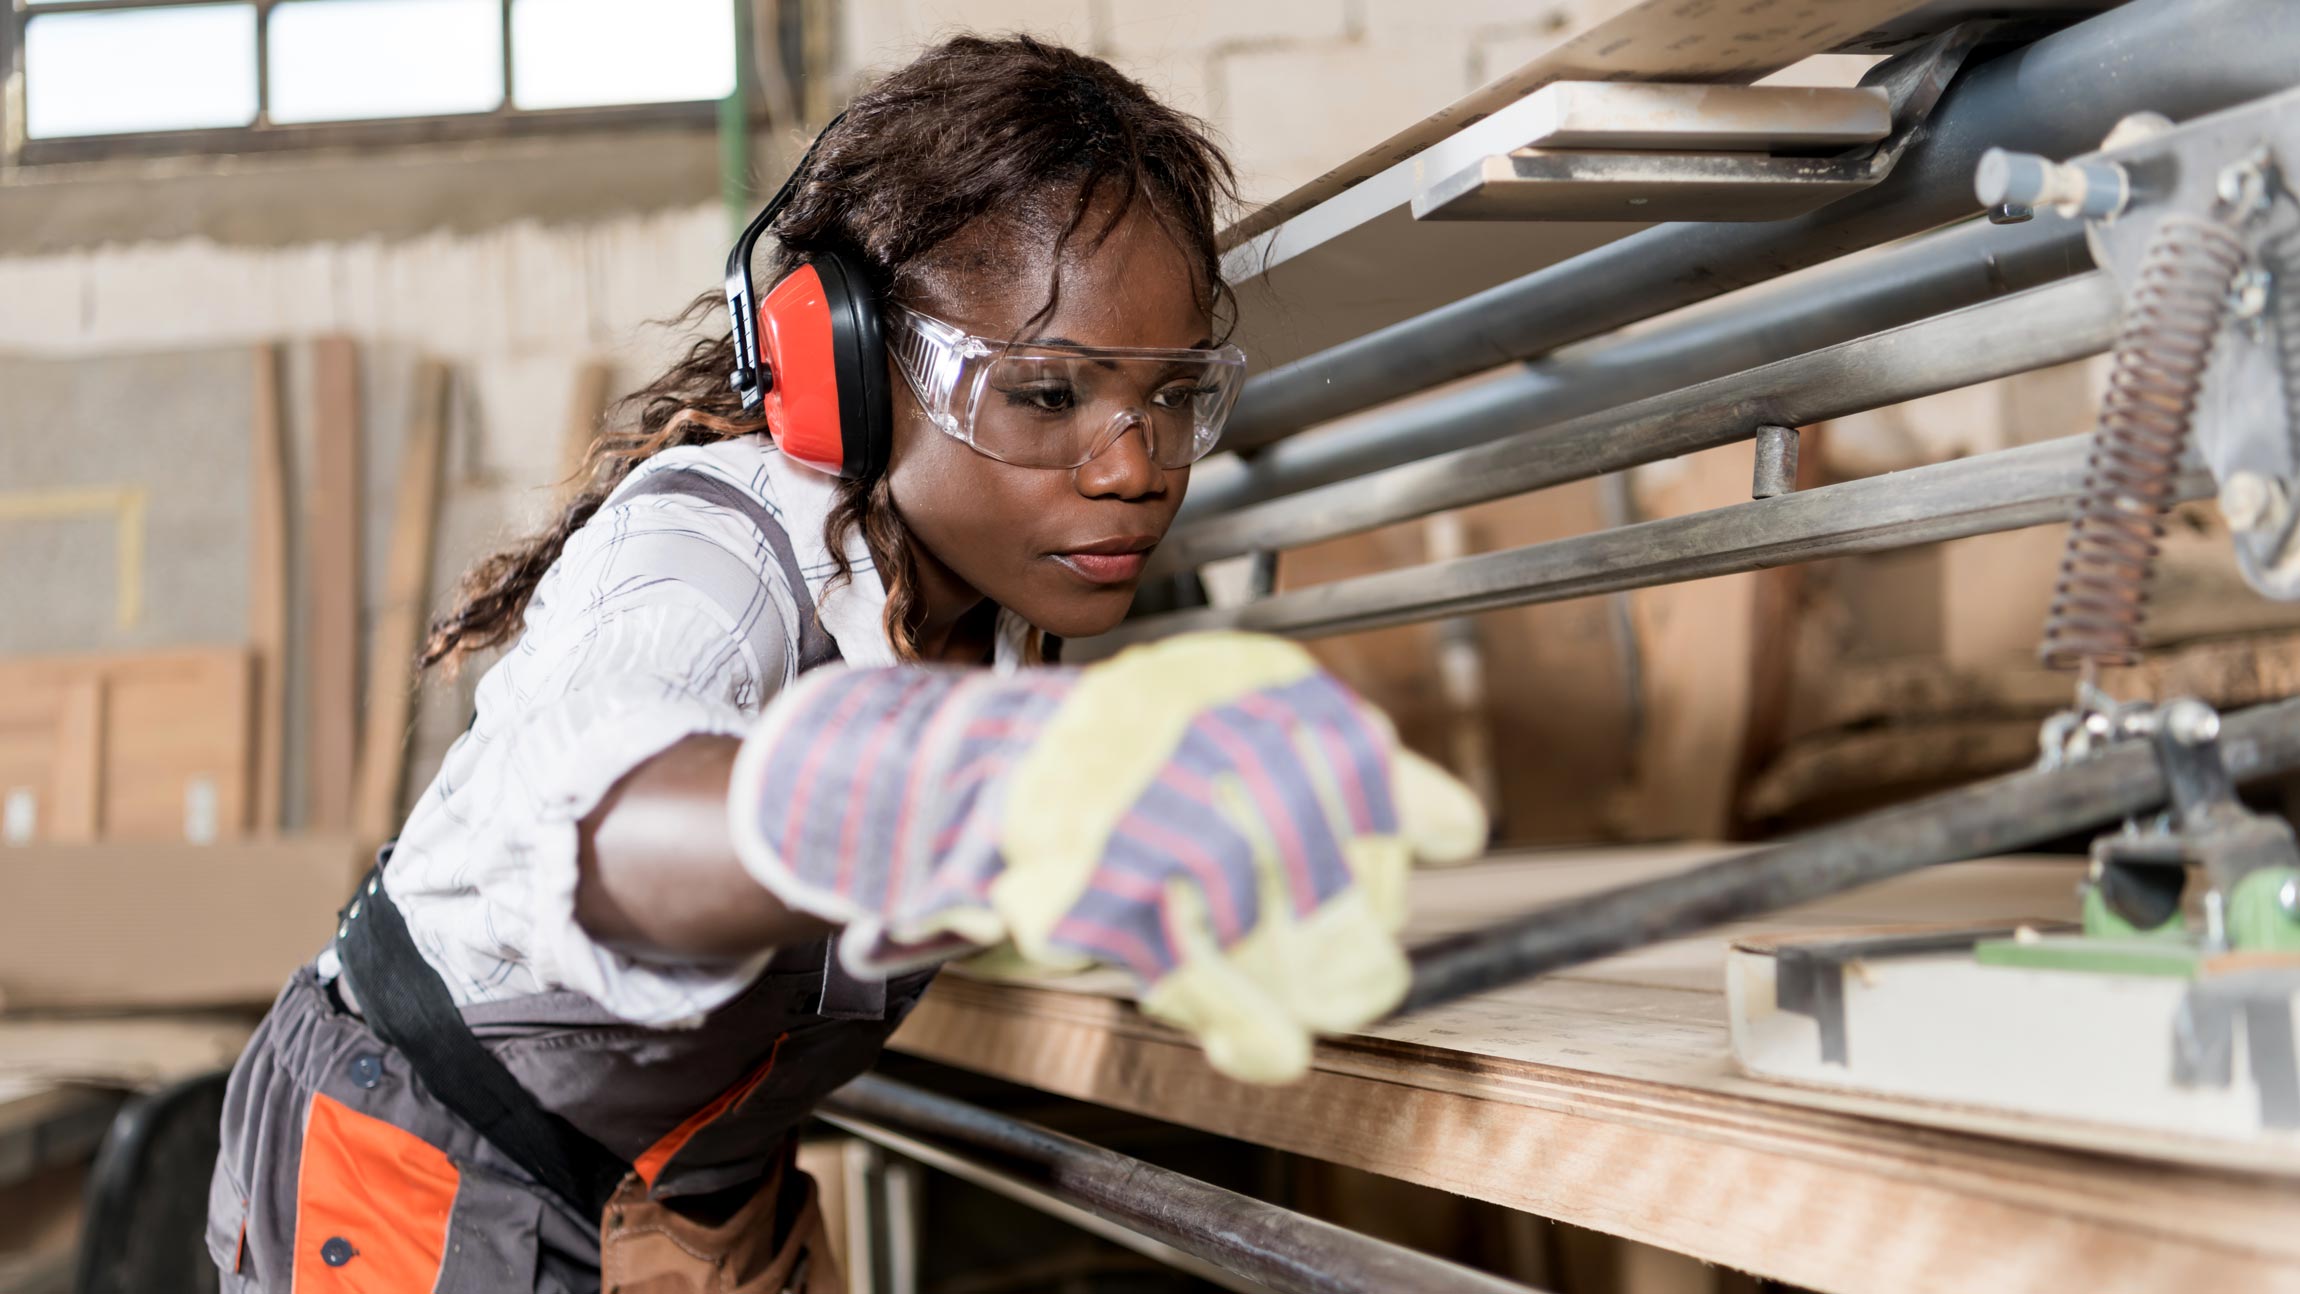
(1124, 467)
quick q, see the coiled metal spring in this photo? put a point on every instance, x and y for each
(2171, 319)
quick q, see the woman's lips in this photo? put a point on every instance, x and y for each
(1105, 568)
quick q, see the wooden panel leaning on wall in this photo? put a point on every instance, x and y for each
(151, 746)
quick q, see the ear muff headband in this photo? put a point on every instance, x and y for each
(810, 356)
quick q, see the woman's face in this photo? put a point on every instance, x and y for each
(1062, 548)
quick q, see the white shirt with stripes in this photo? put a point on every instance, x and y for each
(666, 616)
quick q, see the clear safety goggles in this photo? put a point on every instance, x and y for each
(1062, 406)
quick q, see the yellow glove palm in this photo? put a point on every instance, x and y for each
(1328, 963)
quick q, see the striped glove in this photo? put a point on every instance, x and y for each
(1213, 814)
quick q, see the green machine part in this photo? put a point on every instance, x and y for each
(2263, 911)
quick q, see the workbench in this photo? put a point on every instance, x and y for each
(1607, 1097)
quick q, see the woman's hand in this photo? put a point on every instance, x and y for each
(1213, 814)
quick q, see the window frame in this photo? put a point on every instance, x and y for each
(264, 135)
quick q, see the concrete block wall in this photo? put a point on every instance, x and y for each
(1293, 87)
(162, 331)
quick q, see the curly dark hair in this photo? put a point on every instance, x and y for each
(1008, 128)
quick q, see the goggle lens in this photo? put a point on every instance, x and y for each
(1064, 406)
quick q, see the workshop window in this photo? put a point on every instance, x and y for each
(343, 60)
(102, 73)
(144, 76)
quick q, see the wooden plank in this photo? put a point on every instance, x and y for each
(178, 745)
(110, 926)
(268, 589)
(120, 1051)
(76, 804)
(1606, 1097)
(400, 619)
(332, 580)
(1697, 645)
(586, 404)
(1818, 1199)
(125, 745)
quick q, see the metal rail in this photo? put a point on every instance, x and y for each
(1852, 297)
(1281, 1249)
(2006, 490)
(1991, 817)
(2057, 97)
(2035, 329)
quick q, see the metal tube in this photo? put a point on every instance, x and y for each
(1848, 298)
(1280, 1248)
(2040, 327)
(976, 1172)
(1991, 817)
(2006, 490)
(2057, 97)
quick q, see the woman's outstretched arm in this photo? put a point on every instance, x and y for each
(658, 877)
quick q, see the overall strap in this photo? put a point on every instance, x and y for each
(815, 644)
(845, 996)
(407, 1006)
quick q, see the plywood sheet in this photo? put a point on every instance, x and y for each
(1606, 1097)
(129, 745)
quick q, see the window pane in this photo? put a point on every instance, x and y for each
(574, 53)
(142, 69)
(337, 60)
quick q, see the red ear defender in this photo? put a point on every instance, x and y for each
(826, 371)
(810, 357)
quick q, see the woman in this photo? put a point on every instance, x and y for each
(571, 1039)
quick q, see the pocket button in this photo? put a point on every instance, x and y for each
(367, 1070)
(336, 1252)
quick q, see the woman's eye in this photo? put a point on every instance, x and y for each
(1047, 399)
(1180, 397)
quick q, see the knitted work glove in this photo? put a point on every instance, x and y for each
(1212, 813)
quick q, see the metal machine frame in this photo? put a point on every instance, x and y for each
(1835, 321)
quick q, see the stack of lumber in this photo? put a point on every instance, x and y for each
(177, 824)
(1607, 1097)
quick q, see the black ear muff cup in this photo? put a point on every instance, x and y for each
(858, 353)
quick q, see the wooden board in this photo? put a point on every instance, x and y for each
(1342, 255)
(268, 587)
(1606, 1097)
(331, 584)
(141, 1052)
(129, 745)
(163, 926)
(400, 619)
(586, 405)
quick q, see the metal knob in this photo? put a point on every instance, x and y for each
(2094, 190)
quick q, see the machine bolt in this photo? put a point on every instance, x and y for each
(2247, 188)
(2191, 722)
(2253, 501)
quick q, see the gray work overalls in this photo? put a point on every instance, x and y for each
(342, 1170)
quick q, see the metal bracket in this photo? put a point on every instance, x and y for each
(2236, 164)
(1574, 184)
(2139, 872)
